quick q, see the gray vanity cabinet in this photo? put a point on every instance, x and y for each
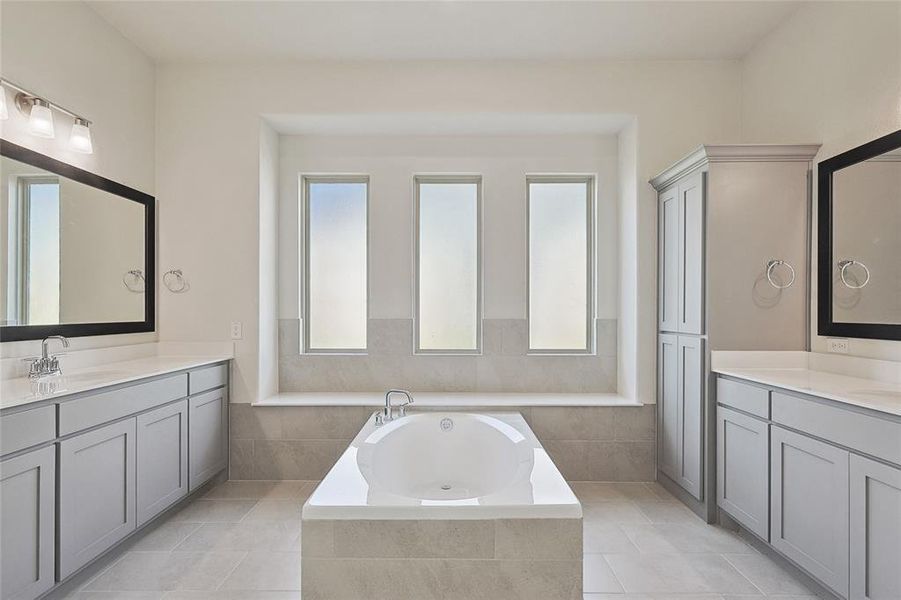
(809, 506)
(724, 211)
(668, 455)
(27, 507)
(875, 530)
(208, 441)
(691, 376)
(668, 259)
(96, 493)
(691, 254)
(162, 459)
(680, 412)
(743, 469)
(681, 256)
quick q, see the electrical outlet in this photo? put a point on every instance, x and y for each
(237, 330)
(838, 345)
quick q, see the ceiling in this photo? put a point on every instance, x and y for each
(255, 31)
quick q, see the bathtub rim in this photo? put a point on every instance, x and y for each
(565, 506)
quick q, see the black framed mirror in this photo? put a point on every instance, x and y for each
(77, 251)
(859, 242)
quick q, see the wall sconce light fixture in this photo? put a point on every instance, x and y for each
(40, 117)
(80, 138)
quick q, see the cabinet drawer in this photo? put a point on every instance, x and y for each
(109, 406)
(744, 397)
(207, 378)
(27, 428)
(865, 433)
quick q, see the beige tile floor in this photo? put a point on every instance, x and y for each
(241, 541)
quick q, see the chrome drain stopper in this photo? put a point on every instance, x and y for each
(445, 487)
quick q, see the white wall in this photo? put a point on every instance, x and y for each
(502, 161)
(67, 53)
(829, 74)
(208, 163)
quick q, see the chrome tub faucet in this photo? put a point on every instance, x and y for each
(388, 413)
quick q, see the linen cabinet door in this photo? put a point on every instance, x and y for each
(669, 456)
(27, 511)
(162, 455)
(96, 493)
(875, 530)
(691, 217)
(207, 441)
(743, 469)
(690, 402)
(809, 506)
(668, 259)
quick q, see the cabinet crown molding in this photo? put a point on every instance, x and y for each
(714, 153)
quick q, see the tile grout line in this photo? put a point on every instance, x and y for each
(230, 573)
(740, 572)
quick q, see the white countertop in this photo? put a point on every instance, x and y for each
(22, 390)
(882, 396)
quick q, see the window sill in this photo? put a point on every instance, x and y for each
(449, 400)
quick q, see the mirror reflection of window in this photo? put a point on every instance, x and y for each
(39, 251)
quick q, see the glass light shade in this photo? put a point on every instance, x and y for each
(4, 112)
(80, 140)
(41, 120)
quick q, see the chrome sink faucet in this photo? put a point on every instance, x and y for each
(46, 364)
(389, 414)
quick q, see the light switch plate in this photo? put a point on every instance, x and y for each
(838, 345)
(237, 330)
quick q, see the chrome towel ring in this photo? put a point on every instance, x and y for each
(771, 266)
(134, 281)
(845, 264)
(175, 281)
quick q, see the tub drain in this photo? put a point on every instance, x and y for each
(445, 487)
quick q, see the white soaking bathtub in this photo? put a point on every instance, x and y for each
(444, 465)
(443, 506)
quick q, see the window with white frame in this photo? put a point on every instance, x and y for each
(335, 233)
(448, 287)
(560, 263)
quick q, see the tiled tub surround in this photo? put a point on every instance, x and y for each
(516, 559)
(411, 511)
(503, 366)
(586, 443)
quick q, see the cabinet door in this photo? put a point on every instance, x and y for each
(668, 259)
(691, 254)
(743, 469)
(669, 456)
(96, 493)
(27, 509)
(207, 436)
(875, 530)
(162, 455)
(690, 401)
(809, 506)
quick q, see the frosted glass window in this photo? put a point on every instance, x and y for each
(560, 265)
(335, 312)
(448, 316)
